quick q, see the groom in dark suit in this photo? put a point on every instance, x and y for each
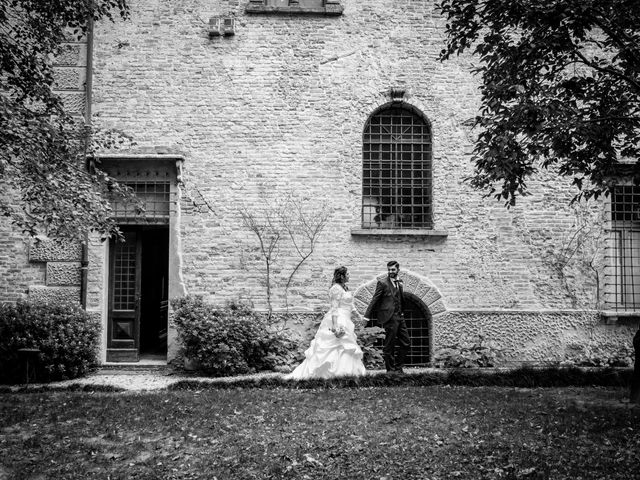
(387, 302)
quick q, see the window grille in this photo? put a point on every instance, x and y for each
(124, 282)
(396, 180)
(307, 3)
(622, 251)
(417, 321)
(157, 201)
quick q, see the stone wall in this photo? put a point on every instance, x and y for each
(62, 262)
(539, 337)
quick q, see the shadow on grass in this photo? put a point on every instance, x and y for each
(74, 387)
(525, 377)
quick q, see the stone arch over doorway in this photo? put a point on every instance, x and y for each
(423, 303)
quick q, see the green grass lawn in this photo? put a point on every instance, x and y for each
(404, 432)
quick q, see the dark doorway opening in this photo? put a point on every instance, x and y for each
(154, 291)
(138, 294)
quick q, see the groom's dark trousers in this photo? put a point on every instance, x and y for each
(387, 301)
(395, 333)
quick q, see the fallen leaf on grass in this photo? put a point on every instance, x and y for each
(526, 471)
(312, 460)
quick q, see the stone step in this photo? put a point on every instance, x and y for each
(130, 368)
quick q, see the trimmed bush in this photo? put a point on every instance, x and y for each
(228, 340)
(67, 337)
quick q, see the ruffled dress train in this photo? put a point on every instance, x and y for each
(329, 356)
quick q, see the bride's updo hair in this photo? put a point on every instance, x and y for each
(339, 276)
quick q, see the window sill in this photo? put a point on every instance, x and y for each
(612, 317)
(405, 232)
(332, 9)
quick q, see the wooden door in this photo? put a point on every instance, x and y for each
(125, 276)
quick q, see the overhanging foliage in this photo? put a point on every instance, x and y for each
(44, 185)
(560, 88)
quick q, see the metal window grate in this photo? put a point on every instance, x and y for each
(622, 251)
(396, 176)
(417, 320)
(157, 201)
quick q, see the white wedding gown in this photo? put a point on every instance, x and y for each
(329, 356)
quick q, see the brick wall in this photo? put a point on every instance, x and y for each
(47, 270)
(16, 273)
(280, 106)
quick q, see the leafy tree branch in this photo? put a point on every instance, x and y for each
(539, 112)
(44, 185)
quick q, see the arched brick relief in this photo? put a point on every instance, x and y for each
(417, 285)
(385, 99)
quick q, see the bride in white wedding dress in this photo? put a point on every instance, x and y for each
(334, 351)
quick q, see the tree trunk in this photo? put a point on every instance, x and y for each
(634, 397)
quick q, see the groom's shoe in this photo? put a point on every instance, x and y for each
(388, 364)
(399, 363)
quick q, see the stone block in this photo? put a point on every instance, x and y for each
(96, 316)
(411, 282)
(361, 306)
(48, 250)
(69, 78)
(63, 273)
(74, 103)
(363, 295)
(437, 308)
(43, 293)
(74, 54)
(421, 291)
(431, 296)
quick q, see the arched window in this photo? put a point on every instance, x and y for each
(396, 180)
